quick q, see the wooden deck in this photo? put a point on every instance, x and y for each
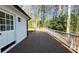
(39, 42)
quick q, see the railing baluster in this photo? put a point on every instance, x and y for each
(72, 40)
(69, 39)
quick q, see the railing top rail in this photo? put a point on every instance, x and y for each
(65, 32)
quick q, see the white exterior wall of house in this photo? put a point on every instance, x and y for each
(20, 28)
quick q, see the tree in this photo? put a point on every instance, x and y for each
(68, 20)
(73, 23)
(77, 29)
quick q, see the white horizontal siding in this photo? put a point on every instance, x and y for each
(20, 27)
(21, 30)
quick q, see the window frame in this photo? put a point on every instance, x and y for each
(10, 19)
(19, 19)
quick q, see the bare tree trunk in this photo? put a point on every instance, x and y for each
(77, 22)
(69, 19)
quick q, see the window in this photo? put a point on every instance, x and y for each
(8, 27)
(7, 16)
(9, 22)
(2, 15)
(6, 21)
(2, 21)
(11, 17)
(2, 27)
(19, 19)
(11, 27)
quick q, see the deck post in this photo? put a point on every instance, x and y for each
(78, 49)
(72, 41)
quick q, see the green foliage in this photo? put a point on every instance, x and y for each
(58, 23)
(40, 24)
(30, 24)
(77, 29)
(73, 24)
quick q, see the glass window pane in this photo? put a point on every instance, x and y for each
(19, 19)
(12, 28)
(2, 21)
(2, 14)
(8, 27)
(11, 22)
(8, 22)
(7, 16)
(11, 17)
(2, 27)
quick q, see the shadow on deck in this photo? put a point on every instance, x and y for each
(39, 42)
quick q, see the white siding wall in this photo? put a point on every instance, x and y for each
(20, 27)
(21, 32)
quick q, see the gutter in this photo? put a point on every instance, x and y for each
(18, 8)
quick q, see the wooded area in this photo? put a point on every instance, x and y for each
(55, 17)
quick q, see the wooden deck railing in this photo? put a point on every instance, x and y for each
(71, 40)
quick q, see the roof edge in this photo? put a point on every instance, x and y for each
(17, 7)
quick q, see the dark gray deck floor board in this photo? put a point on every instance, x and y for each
(39, 42)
